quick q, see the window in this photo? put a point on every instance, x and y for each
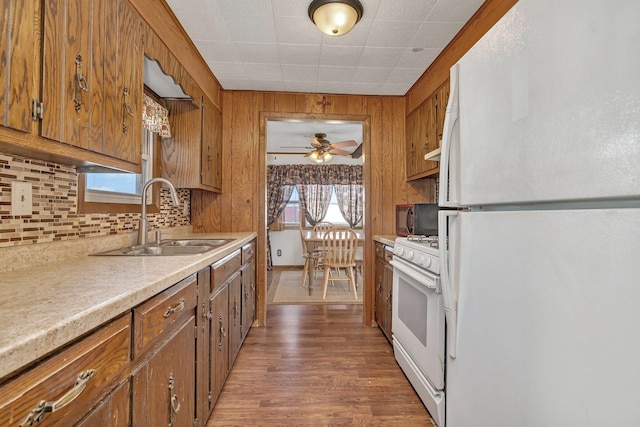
(118, 192)
(292, 213)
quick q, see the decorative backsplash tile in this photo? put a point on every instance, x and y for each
(55, 206)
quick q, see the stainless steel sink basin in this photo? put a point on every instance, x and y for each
(195, 242)
(169, 247)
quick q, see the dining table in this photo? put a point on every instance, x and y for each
(313, 240)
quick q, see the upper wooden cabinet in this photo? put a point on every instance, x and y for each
(192, 157)
(92, 76)
(424, 134)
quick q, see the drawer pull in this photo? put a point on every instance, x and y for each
(174, 401)
(38, 413)
(178, 307)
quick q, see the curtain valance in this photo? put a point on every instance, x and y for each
(314, 174)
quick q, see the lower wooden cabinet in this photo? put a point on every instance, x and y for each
(163, 363)
(384, 288)
(65, 387)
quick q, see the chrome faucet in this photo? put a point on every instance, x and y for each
(144, 224)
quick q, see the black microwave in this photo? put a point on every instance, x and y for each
(417, 219)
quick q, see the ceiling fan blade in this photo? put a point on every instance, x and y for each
(357, 153)
(349, 143)
(314, 141)
(339, 152)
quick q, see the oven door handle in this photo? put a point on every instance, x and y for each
(427, 281)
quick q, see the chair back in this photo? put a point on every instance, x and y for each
(339, 247)
(323, 226)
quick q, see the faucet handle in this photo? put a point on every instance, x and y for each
(158, 236)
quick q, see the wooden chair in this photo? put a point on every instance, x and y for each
(323, 226)
(339, 248)
(311, 259)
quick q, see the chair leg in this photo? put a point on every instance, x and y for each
(305, 269)
(325, 281)
(353, 281)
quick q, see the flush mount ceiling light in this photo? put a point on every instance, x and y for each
(335, 18)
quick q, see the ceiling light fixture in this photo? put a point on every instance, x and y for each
(333, 17)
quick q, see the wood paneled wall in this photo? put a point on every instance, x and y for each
(241, 206)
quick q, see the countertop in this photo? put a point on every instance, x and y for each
(47, 306)
(385, 239)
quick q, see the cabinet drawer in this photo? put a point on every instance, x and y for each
(248, 252)
(70, 382)
(223, 269)
(162, 314)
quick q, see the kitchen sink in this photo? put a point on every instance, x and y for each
(169, 247)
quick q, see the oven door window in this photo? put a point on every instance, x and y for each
(412, 310)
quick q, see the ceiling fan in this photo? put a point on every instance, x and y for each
(323, 150)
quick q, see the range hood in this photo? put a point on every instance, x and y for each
(160, 83)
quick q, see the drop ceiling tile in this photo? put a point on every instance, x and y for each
(245, 7)
(299, 72)
(296, 30)
(335, 74)
(405, 10)
(251, 29)
(203, 20)
(303, 54)
(422, 59)
(364, 88)
(236, 84)
(228, 70)
(395, 89)
(454, 10)
(296, 86)
(332, 87)
(371, 75)
(435, 34)
(263, 71)
(218, 51)
(392, 33)
(380, 56)
(404, 76)
(356, 37)
(263, 53)
(346, 56)
(290, 8)
(370, 8)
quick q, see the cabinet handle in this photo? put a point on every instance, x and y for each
(81, 84)
(127, 109)
(222, 332)
(174, 401)
(38, 413)
(176, 308)
(389, 301)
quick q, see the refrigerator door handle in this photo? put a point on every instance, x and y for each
(448, 173)
(450, 304)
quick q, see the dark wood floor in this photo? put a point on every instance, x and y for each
(317, 365)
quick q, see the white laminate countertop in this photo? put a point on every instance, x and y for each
(389, 240)
(49, 305)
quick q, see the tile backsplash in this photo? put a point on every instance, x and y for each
(55, 206)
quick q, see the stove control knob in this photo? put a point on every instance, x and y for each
(419, 259)
(427, 262)
(409, 255)
(400, 251)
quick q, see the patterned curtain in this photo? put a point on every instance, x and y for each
(278, 195)
(318, 174)
(351, 202)
(314, 201)
(155, 117)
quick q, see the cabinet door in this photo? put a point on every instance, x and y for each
(442, 98)
(163, 388)
(20, 62)
(219, 355)
(388, 299)
(379, 269)
(114, 411)
(66, 70)
(249, 296)
(428, 141)
(412, 136)
(211, 155)
(235, 317)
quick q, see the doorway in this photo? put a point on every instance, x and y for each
(303, 128)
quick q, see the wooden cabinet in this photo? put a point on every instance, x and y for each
(424, 133)
(192, 157)
(235, 317)
(384, 288)
(219, 343)
(19, 81)
(163, 385)
(65, 387)
(113, 411)
(92, 76)
(248, 287)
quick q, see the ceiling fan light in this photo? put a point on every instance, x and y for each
(327, 156)
(314, 156)
(334, 17)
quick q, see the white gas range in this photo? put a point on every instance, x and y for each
(418, 321)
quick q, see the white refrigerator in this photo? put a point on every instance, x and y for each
(541, 253)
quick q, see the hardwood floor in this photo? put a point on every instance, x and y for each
(317, 365)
